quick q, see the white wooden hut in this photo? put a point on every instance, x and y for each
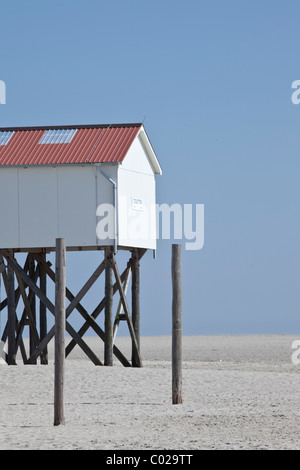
(56, 181)
(94, 186)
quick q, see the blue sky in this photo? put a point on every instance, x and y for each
(212, 82)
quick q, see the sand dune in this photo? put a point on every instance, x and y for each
(239, 392)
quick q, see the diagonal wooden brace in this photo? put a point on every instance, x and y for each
(89, 319)
(30, 283)
(126, 311)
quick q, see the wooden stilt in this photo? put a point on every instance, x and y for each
(108, 346)
(126, 312)
(11, 316)
(60, 322)
(32, 342)
(135, 292)
(43, 311)
(176, 326)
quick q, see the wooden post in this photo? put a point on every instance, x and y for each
(60, 325)
(135, 292)
(126, 311)
(32, 344)
(11, 316)
(43, 311)
(176, 326)
(108, 315)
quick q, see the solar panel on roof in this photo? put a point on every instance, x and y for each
(5, 136)
(58, 136)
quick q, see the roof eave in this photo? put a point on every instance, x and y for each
(147, 144)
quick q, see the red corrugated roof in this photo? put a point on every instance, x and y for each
(106, 143)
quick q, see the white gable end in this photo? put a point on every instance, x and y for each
(137, 159)
(141, 157)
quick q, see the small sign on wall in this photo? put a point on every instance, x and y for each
(137, 204)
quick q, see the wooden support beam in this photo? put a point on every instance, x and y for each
(76, 337)
(3, 304)
(43, 311)
(28, 280)
(19, 337)
(4, 273)
(18, 325)
(73, 304)
(12, 262)
(120, 311)
(126, 312)
(32, 325)
(96, 313)
(135, 296)
(89, 319)
(60, 327)
(27, 312)
(17, 291)
(26, 317)
(99, 309)
(43, 343)
(11, 316)
(108, 320)
(85, 288)
(176, 326)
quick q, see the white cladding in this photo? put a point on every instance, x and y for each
(41, 203)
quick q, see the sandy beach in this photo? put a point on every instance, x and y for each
(239, 392)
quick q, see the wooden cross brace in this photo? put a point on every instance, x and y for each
(25, 278)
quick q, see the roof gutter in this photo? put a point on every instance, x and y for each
(114, 203)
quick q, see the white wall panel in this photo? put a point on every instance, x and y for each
(77, 205)
(136, 209)
(105, 195)
(9, 202)
(38, 223)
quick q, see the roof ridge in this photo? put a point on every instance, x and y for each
(68, 126)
